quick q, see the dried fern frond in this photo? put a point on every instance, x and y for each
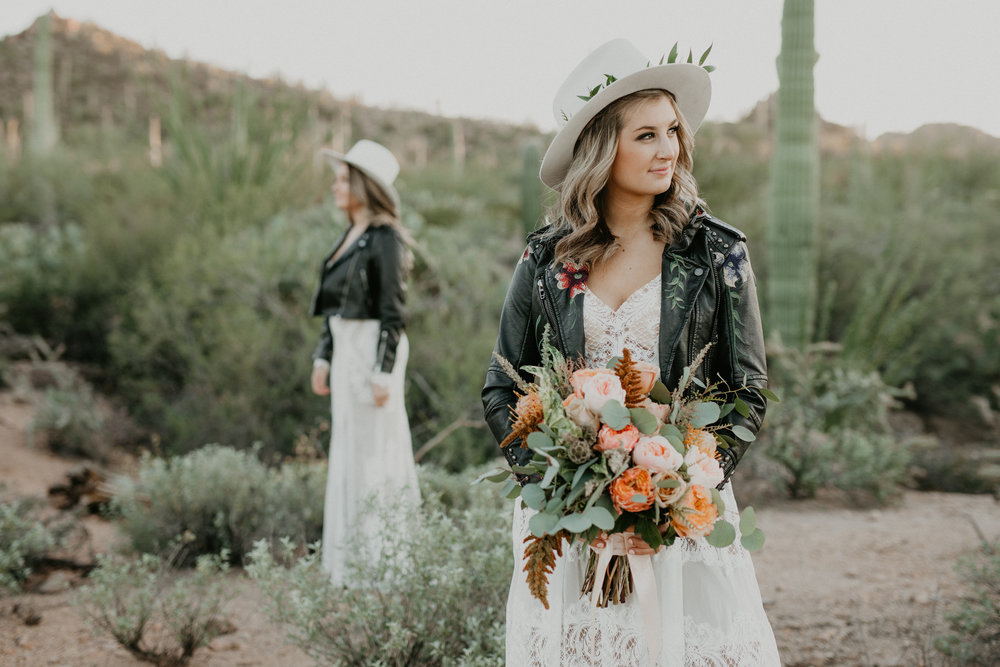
(631, 381)
(540, 554)
(512, 373)
(525, 417)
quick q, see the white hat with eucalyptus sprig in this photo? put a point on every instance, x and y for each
(373, 160)
(611, 72)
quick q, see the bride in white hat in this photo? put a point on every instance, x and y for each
(361, 356)
(631, 259)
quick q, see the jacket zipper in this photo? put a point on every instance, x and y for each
(550, 312)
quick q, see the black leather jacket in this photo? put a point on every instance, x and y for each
(709, 294)
(367, 282)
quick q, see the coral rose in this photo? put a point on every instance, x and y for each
(578, 412)
(695, 514)
(625, 439)
(600, 389)
(655, 454)
(703, 469)
(659, 410)
(701, 439)
(580, 377)
(633, 482)
(666, 496)
(647, 375)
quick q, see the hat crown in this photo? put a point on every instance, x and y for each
(611, 61)
(375, 159)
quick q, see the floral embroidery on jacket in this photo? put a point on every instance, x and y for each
(524, 256)
(736, 266)
(573, 277)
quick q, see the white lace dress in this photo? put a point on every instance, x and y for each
(371, 456)
(710, 607)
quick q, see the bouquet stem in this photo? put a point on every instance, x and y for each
(617, 584)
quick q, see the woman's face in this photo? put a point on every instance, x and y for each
(648, 147)
(342, 189)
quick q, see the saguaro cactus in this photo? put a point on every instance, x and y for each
(791, 228)
(44, 127)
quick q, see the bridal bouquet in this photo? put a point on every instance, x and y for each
(616, 451)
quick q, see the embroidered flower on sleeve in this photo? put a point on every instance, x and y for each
(524, 256)
(736, 266)
(573, 277)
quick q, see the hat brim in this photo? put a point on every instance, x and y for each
(335, 158)
(688, 83)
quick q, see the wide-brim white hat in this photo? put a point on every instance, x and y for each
(373, 160)
(617, 69)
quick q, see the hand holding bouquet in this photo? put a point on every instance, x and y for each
(615, 451)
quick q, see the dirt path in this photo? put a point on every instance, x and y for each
(842, 587)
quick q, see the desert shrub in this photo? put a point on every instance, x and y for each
(68, 420)
(23, 542)
(438, 600)
(159, 614)
(975, 621)
(218, 498)
(831, 427)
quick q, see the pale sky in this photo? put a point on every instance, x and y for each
(884, 65)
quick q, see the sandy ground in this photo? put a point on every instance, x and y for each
(841, 586)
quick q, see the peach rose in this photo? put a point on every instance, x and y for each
(600, 389)
(665, 496)
(578, 413)
(647, 374)
(634, 481)
(655, 454)
(580, 377)
(695, 514)
(625, 439)
(702, 468)
(702, 440)
(659, 410)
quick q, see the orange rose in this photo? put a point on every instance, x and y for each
(581, 376)
(701, 439)
(647, 375)
(634, 481)
(695, 514)
(608, 438)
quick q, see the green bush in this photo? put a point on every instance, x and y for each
(23, 542)
(68, 419)
(155, 612)
(831, 427)
(218, 498)
(975, 621)
(439, 600)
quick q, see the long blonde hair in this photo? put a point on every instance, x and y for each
(580, 209)
(380, 204)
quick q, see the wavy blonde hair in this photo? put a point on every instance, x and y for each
(379, 203)
(578, 216)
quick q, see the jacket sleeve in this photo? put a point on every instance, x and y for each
(324, 348)
(388, 274)
(741, 338)
(516, 343)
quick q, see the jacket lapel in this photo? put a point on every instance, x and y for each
(564, 291)
(683, 277)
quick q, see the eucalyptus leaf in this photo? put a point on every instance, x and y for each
(673, 436)
(722, 535)
(768, 394)
(533, 496)
(649, 533)
(511, 490)
(600, 517)
(742, 407)
(539, 441)
(524, 470)
(496, 476)
(550, 473)
(660, 393)
(643, 420)
(717, 499)
(668, 484)
(726, 409)
(743, 433)
(704, 414)
(639, 498)
(748, 521)
(581, 471)
(615, 415)
(726, 441)
(574, 523)
(754, 541)
(612, 362)
(542, 524)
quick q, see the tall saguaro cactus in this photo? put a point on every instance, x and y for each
(44, 127)
(791, 228)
